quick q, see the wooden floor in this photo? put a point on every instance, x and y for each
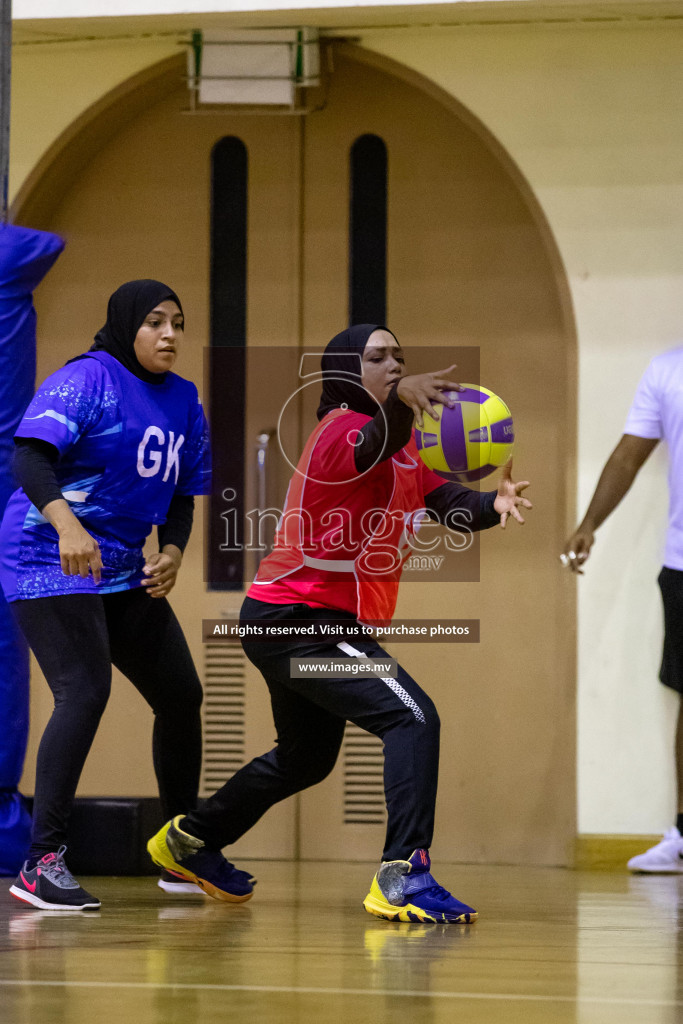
(550, 947)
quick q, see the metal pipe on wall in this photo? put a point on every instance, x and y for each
(5, 87)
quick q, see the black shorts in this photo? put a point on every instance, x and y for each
(671, 585)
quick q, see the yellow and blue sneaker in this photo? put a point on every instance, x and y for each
(186, 856)
(178, 885)
(404, 890)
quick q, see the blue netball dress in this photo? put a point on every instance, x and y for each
(126, 447)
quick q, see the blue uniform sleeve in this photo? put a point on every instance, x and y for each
(65, 406)
(195, 460)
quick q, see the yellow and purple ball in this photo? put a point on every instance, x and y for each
(469, 441)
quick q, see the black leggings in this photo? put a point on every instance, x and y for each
(76, 639)
(310, 716)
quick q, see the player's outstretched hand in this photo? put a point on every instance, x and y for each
(577, 549)
(508, 501)
(421, 390)
(161, 570)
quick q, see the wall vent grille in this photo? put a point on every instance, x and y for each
(223, 714)
(363, 778)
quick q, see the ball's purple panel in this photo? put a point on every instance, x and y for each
(503, 432)
(453, 442)
(469, 395)
(479, 474)
(467, 476)
(479, 436)
(423, 439)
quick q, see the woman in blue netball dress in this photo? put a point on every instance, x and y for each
(112, 444)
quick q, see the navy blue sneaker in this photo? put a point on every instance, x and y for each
(177, 885)
(51, 886)
(185, 855)
(404, 890)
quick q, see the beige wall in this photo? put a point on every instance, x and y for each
(52, 85)
(591, 116)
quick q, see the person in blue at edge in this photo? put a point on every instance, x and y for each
(360, 458)
(112, 444)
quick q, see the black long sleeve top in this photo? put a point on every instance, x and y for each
(33, 466)
(387, 433)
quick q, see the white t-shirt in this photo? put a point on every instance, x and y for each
(657, 412)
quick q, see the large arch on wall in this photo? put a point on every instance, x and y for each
(90, 131)
(43, 188)
(86, 159)
(46, 184)
(419, 81)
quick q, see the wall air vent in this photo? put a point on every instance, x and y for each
(223, 714)
(363, 762)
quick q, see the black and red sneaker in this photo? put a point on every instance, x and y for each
(51, 886)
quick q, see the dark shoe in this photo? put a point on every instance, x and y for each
(404, 890)
(178, 885)
(186, 856)
(51, 886)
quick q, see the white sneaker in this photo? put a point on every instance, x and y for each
(666, 858)
(177, 886)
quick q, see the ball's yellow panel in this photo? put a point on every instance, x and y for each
(469, 440)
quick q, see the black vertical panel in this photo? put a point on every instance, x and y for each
(227, 361)
(229, 243)
(368, 232)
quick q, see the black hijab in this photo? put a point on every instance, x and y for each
(126, 312)
(341, 366)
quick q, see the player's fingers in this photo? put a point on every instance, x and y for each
(444, 373)
(96, 566)
(159, 591)
(441, 397)
(575, 557)
(445, 384)
(430, 409)
(443, 378)
(503, 519)
(517, 514)
(165, 575)
(525, 503)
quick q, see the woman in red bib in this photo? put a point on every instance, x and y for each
(357, 496)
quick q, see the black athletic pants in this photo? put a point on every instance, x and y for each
(76, 638)
(310, 716)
